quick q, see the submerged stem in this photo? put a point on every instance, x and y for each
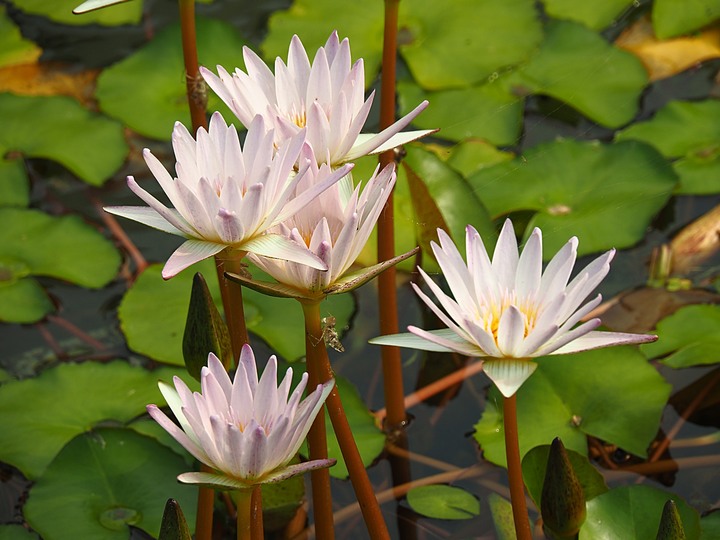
(517, 487)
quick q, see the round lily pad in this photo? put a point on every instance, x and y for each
(570, 396)
(34, 243)
(595, 14)
(443, 502)
(699, 172)
(91, 146)
(15, 187)
(577, 66)
(65, 401)
(606, 195)
(153, 314)
(675, 17)
(147, 89)
(14, 49)
(104, 481)
(61, 11)
(634, 512)
(16, 532)
(463, 42)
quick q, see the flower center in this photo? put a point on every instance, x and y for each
(299, 119)
(489, 315)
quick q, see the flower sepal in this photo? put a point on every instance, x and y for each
(354, 280)
(268, 288)
(509, 374)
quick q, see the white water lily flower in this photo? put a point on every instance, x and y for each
(326, 97)
(335, 227)
(508, 310)
(245, 429)
(226, 195)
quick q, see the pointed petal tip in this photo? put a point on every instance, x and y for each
(509, 374)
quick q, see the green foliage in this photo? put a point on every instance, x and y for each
(103, 481)
(14, 49)
(572, 395)
(675, 17)
(16, 532)
(502, 515)
(443, 502)
(61, 11)
(596, 14)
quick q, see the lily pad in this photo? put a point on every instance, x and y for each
(595, 14)
(679, 128)
(61, 11)
(471, 155)
(710, 525)
(577, 66)
(104, 481)
(688, 337)
(634, 512)
(92, 147)
(675, 17)
(314, 20)
(572, 396)
(16, 532)
(14, 184)
(443, 502)
(153, 313)
(460, 43)
(14, 49)
(699, 173)
(487, 112)
(606, 195)
(34, 243)
(147, 89)
(65, 401)
(502, 515)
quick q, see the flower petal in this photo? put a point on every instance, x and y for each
(190, 252)
(509, 374)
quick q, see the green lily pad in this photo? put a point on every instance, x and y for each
(65, 401)
(570, 396)
(577, 66)
(14, 49)
(634, 512)
(534, 465)
(34, 243)
(471, 155)
(606, 195)
(675, 17)
(487, 112)
(153, 313)
(14, 184)
(16, 532)
(147, 89)
(699, 172)
(595, 14)
(688, 337)
(460, 43)
(443, 502)
(92, 147)
(502, 515)
(61, 11)
(314, 20)
(710, 525)
(679, 128)
(369, 438)
(104, 481)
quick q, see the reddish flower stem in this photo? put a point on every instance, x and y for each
(317, 357)
(232, 298)
(244, 511)
(517, 487)
(387, 292)
(257, 529)
(197, 97)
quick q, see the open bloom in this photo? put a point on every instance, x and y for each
(335, 227)
(246, 429)
(508, 310)
(325, 97)
(226, 195)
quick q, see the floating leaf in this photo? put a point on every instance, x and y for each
(14, 184)
(699, 172)
(153, 313)
(34, 243)
(471, 155)
(502, 515)
(16, 532)
(14, 49)
(90, 146)
(486, 112)
(710, 525)
(314, 20)
(61, 11)
(690, 337)
(147, 90)
(65, 401)
(606, 195)
(634, 512)
(443, 502)
(473, 41)
(578, 67)
(595, 14)
(570, 396)
(674, 17)
(104, 481)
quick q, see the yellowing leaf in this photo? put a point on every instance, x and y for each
(665, 58)
(48, 79)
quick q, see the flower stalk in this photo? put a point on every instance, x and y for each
(232, 298)
(244, 511)
(197, 97)
(517, 487)
(257, 529)
(319, 363)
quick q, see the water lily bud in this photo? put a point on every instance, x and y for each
(671, 527)
(205, 330)
(563, 501)
(174, 526)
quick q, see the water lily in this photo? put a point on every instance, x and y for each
(507, 310)
(227, 196)
(245, 429)
(326, 98)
